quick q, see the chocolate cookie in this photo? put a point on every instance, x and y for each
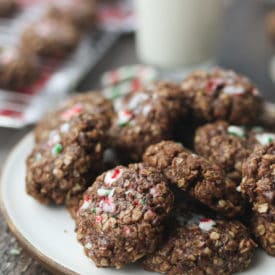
(69, 156)
(81, 13)
(194, 174)
(18, 69)
(51, 37)
(147, 117)
(221, 94)
(225, 145)
(258, 184)
(197, 244)
(121, 217)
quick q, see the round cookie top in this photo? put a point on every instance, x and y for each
(196, 175)
(59, 173)
(120, 219)
(67, 156)
(147, 117)
(258, 177)
(222, 94)
(225, 145)
(127, 196)
(197, 244)
(77, 114)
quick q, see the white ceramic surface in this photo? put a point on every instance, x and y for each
(49, 231)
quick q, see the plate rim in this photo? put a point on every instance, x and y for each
(43, 259)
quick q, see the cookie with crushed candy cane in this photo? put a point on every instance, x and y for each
(198, 244)
(121, 217)
(50, 37)
(259, 186)
(229, 145)
(69, 151)
(146, 117)
(196, 175)
(222, 94)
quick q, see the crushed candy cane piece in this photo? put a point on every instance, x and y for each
(214, 83)
(238, 188)
(65, 128)
(38, 157)
(68, 114)
(195, 219)
(88, 245)
(107, 205)
(102, 192)
(126, 229)
(98, 219)
(124, 117)
(236, 131)
(265, 138)
(86, 203)
(137, 99)
(206, 224)
(255, 91)
(57, 149)
(154, 192)
(234, 90)
(54, 138)
(112, 175)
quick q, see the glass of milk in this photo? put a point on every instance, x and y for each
(177, 33)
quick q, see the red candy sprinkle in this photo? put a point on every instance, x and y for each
(116, 173)
(71, 112)
(213, 84)
(205, 220)
(87, 198)
(98, 218)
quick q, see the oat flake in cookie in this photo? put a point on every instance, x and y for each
(68, 156)
(259, 185)
(147, 117)
(201, 245)
(194, 174)
(121, 217)
(221, 94)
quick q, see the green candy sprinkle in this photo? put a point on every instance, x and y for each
(270, 139)
(116, 93)
(57, 149)
(143, 201)
(94, 210)
(236, 131)
(123, 124)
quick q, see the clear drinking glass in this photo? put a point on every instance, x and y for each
(172, 34)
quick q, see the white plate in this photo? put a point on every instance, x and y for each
(48, 232)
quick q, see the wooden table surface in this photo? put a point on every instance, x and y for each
(244, 48)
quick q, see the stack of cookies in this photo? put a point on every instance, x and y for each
(200, 207)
